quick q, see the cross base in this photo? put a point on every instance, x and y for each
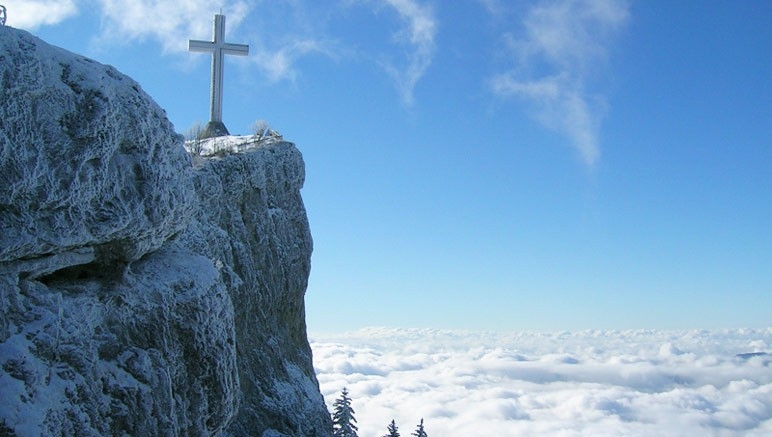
(214, 129)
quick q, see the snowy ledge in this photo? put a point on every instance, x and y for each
(228, 145)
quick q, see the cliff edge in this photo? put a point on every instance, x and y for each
(141, 294)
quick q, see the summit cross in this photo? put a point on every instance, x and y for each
(218, 48)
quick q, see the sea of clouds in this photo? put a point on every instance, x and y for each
(586, 383)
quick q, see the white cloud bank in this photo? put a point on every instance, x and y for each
(589, 383)
(561, 44)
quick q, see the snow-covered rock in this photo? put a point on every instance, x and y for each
(143, 293)
(253, 224)
(87, 160)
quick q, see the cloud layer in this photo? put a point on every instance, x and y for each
(559, 47)
(634, 383)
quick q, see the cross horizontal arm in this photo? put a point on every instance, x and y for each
(200, 46)
(235, 49)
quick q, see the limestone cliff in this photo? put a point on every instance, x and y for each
(140, 294)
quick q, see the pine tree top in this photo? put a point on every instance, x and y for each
(393, 430)
(420, 432)
(343, 420)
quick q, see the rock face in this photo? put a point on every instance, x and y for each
(140, 294)
(251, 221)
(77, 168)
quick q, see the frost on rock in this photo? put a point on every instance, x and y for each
(252, 220)
(87, 159)
(140, 295)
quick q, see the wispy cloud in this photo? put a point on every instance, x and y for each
(279, 63)
(562, 105)
(560, 45)
(418, 32)
(31, 14)
(495, 7)
(171, 23)
(588, 383)
(280, 34)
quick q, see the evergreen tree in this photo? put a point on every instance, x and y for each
(343, 421)
(419, 432)
(393, 430)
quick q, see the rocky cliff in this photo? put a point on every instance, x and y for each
(141, 294)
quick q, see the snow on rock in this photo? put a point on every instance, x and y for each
(141, 294)
(89, 162)
(253, 224)
(221, 146)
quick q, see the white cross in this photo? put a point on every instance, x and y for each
(218, 48)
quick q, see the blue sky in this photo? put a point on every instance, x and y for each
(483, 164)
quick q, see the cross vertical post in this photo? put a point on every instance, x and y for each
(218, 48)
